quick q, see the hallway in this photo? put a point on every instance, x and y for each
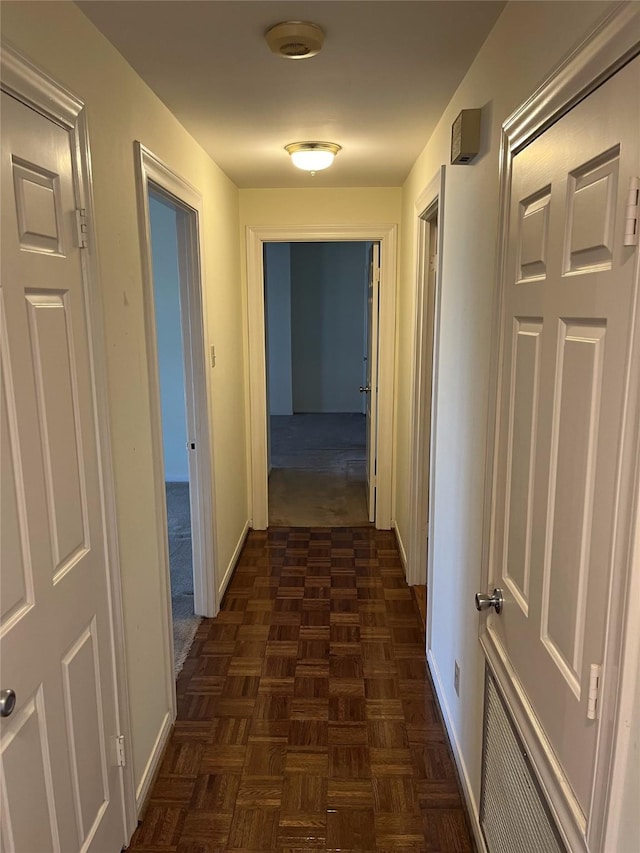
(306, 718)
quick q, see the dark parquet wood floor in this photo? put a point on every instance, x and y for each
(306, 718)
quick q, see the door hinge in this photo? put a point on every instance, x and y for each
(191, 445)
(82, 228)
(631, 218)
(121, 758)
(595, 676)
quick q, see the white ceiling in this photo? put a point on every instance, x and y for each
(386, 72)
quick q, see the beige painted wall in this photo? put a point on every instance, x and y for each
(528, 40)
(121, 109)
(319, 206)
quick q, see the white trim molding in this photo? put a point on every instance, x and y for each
(152, 766)
(401, 547)
(612, 44)
(463, 771)
(198, 392)
(430, 203)
(233, 561)
(257, 236)
(32, 86)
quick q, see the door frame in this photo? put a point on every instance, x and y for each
(256, 237)
(32, 86)
(371, 411)
(152, 173)
(429, 203)
(611, 45)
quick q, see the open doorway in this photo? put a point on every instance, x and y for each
(316, 356)
(385, 288)
(171, 374)
(170, 223)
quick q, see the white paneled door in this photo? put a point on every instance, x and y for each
(567, 329)
(371, 388)
(61, 788)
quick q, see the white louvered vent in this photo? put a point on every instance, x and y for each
(513, 813)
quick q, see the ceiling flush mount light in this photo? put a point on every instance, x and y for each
(295, 39)
(312, 156)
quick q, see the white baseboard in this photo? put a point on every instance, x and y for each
(472, 805)
(233, 561)
(401, 548)
(150, 771)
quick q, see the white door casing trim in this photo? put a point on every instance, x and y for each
(429, 202)
(386, 235)
(152, 170)
(29, 84)
(610, 46)
(371, 408)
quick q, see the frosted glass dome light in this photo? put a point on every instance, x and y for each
(312, 156)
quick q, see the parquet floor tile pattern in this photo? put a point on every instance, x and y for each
(306, 718)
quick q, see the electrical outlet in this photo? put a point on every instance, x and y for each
(456, 678)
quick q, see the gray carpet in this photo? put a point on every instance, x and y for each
(318, 475)
(185, 623)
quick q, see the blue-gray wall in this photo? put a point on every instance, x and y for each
(328, 303)
(277, 266)
(166, 284)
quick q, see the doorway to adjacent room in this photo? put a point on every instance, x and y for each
(170, 224)
(378, 391)
(317, 334)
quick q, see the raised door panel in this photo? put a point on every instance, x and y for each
(85, 727)
(533, 236)
(523, 416)
(53, 359)
(38, 207)
(17, 577)
(591, 214)
(28, 821)
(576, 412)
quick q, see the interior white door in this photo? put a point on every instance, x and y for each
(371, 388)
(566, 331)
(61, 788)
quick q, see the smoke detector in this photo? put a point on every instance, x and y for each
(295, 39)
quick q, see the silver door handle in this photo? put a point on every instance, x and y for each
(7, 702)
(485, 602)
(365, 389)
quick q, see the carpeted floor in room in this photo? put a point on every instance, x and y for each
(306, 717)
(185, 623)
(318, 474)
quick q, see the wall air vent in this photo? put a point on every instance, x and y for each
(513, 813)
